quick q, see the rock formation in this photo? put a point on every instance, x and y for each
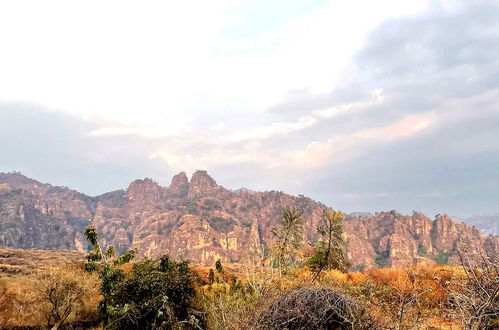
(202, 221)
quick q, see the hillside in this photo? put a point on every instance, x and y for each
(203, 221)
(26, 261)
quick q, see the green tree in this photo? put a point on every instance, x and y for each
(157, 294)
(330, 250)
(289, 237)
(96, 260)
(211, 276)
(219, 267)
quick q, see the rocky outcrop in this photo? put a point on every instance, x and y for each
(36, 215)
(200, 183)
(179, 186)
(399, 240)
(202, 221)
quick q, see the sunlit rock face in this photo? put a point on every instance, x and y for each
(36, 215)
(203, 221)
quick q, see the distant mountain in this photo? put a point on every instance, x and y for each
(489, 223)
(202, 221)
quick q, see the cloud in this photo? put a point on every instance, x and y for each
(56, 148)
(346, 147)
(276, 128)
(393, 106)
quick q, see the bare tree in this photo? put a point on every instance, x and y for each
(60, 294)
(475, 293)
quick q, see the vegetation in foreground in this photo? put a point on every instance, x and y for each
(118, 292)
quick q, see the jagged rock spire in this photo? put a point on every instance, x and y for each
(200, 183)
(180, 185)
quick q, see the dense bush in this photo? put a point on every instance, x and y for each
(155, 295)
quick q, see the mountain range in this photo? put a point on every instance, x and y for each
(202, 221)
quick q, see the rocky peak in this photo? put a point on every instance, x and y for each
(200, 183)
(144, 189)
(16, 180)
(180, 185)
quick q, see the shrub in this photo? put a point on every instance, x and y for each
(382, 259)
(65, 294)
(314, 307)
(442, 258)
(405, 296)
(230, 305)
(18, 304)
(155, 295)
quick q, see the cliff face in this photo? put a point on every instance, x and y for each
(35, 215)
(393, 239)
(202, 221)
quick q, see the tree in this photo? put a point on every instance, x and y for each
(155, 295)
(61, 292)
(289, 236)
(211, 276)
(330, 250)
(96, 260)
(219, 267)
(476, 292)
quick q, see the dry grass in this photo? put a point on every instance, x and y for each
(409, 298)
(21, 304)
(14, 262)
(418, 297)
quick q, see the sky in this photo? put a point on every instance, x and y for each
(362, 105)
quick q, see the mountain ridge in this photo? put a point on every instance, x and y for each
(202, 221)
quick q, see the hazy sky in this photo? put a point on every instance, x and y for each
(363, 105)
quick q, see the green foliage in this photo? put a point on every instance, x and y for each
(110, 252)
(125, 258)
(92, 237)
(330, 250)
(422, 250)
(211, 276)
(155, 295)
(289, 237)
(96, 260)
(381, 259)
(442, 258)
(218, 266)
(210, 204)
(192, 207)
(221, 225)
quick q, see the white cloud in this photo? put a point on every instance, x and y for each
(265, 132)
(347, 146)
(144, 63)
